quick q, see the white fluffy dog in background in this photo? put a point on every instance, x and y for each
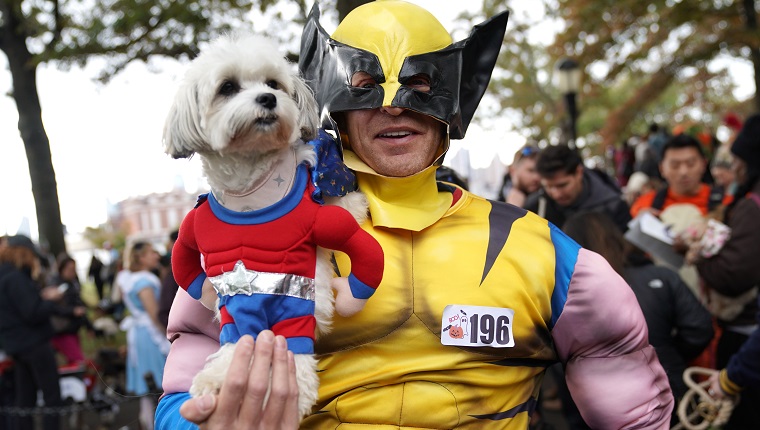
(246, 112)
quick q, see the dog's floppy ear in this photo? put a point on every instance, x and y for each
(183, 134)
(308, 120)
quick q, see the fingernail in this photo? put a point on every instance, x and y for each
(245, 342)
(266, 336)
(280, 342)
(205, 402)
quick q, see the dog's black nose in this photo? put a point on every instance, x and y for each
(268, 100)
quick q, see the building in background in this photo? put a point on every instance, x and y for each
(151, 217)
(146, 218)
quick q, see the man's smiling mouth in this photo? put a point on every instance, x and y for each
(396, 134)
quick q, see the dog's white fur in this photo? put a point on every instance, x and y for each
(216, 114)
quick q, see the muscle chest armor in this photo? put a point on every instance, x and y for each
(387, 366)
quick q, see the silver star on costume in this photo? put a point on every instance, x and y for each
(238, 281)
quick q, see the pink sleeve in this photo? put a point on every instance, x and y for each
(186, 258)
(611, 370)
(194, 335)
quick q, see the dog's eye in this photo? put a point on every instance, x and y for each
(229, 88)
(273, 84)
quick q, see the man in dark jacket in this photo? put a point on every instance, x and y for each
(569, 188)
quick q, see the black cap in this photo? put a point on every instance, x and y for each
(747, 143)
(24, 242)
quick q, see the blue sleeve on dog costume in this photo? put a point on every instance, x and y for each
(359, 289)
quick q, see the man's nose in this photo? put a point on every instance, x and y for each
(392, 110)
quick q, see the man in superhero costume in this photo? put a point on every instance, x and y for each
(478, 297)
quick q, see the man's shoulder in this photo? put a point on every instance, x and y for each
(531, 202)
(601, 179)
(7, 274)
(603, 192)
(644, 200)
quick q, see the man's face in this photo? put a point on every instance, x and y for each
(564, 188)
(393, 141)
(525, 176)
(683, 168)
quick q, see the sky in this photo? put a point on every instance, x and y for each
(105, 140)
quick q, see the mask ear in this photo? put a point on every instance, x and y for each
(308, 120)
(313, 43)
(182, 131)
(479, 54)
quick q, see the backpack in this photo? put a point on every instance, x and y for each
(713, 201)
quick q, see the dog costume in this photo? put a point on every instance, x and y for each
(267, 257)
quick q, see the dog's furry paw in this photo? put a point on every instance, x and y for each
(308, 382)
(324, 300)
(209, 380)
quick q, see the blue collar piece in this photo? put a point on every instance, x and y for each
(269, 213)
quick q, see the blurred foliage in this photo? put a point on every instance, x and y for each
(643, 62)
(116, 237)
(76, 31)
(73, 32)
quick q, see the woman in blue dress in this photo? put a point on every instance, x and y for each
(147, 345)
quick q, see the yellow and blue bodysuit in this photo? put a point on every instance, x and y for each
(472, 309)
(521, 296)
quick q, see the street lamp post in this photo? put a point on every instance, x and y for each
(569, 83)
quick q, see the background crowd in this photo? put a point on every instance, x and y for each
(701, 310)
(44, 319)
(698, 291)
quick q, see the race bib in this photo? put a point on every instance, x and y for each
(477, 326)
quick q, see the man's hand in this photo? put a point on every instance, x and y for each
(653, 211)
(51, 293)
(242, 402)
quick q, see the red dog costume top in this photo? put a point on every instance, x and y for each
(234, 249)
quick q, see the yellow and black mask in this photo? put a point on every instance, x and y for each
(394, 41)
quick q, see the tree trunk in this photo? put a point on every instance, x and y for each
(619, 119)
(44, 187)
(346, 6)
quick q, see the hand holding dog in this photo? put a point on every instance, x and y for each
(249, 382)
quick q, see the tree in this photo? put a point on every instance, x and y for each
(644, 62)
(71, 32)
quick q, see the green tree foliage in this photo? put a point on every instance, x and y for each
(643, 62)
(108, 233)
(71, 32)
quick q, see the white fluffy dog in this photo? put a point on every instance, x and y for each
(246, 112)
